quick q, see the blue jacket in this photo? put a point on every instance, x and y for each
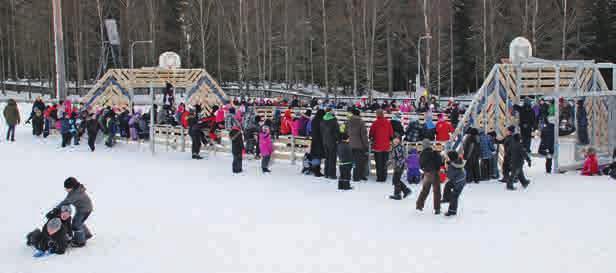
(66, 126)
(486, 146)
(456, 173)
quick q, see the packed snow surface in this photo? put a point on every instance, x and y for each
(170, 214)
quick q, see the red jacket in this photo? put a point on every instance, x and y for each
(184, 118)
(443, 129)
(591, 166)
(381, 134)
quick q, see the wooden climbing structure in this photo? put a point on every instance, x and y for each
(492, 105)
(116, 87)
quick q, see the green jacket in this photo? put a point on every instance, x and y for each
(11, 113)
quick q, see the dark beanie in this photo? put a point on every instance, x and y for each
(71, 183)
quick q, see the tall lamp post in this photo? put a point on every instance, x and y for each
(132, 64)
(418, 77)
(59, 50)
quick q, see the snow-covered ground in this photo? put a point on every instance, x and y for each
(171, 214)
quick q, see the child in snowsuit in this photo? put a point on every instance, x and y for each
(37, 122)
(398, 158)
(487, 150)
(456, 181)
(55, 235)
(546, 147)
(517, 156)
(591, 164)
(78, 197)
(345, 163)
(472, 152)
(75, 123)
(111, 125)
(413, 175)
(65, 130)
(307, 163)
(237, 147)
(266, 148)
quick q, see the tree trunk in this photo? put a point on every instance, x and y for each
(438, 48)
(451, 45)
(485, 40)
(427, 30)
(564, 55)
(534, 31)
(372, 43)
(390, 70)
(351, 5)
(325, 48)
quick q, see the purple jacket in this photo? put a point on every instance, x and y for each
(265, 144)
(412, 163)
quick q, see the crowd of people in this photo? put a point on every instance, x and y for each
(339, 150)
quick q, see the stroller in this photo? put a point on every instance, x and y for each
(307, 164)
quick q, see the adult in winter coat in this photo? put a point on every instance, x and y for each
(396, 125)
(414, 130)
(443, 129)
(517, 155)
(456, 180)
(230, 121)
(78, 198)
(37, 105)
(528, 123)
(381, 133)
(546, 147)
(316, 145)
(472, 153)
(430, 162)
(582, 123)
(266, 148)
(196, 135)
(358, 136)
(330, 134)
(12, 118)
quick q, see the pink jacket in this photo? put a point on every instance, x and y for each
(405, 108)
(295, 127)
(265, 144)
(68, 107)
(220, 116)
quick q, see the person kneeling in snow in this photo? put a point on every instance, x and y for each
(78, 197)
(591, 164)
(55, 234)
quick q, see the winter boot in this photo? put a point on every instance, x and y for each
(197, 157)
(266, 170)
(450, 213)
(317, 171)
(406, 193)
(395, 197)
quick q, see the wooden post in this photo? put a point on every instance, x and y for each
(556, 122)
(183, 140)
(293, 158)
(152, 113)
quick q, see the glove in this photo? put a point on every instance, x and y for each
(529, 163)
(28, 122)
(53, 213)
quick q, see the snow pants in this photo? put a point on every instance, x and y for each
(237, 162)
(431, 180)
(80, 230)
(451, 194)
(399, 186)
(10, 134)
(330, 163)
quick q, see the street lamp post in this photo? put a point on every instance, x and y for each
(418, 78)
(132, 49)
(132, 65)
